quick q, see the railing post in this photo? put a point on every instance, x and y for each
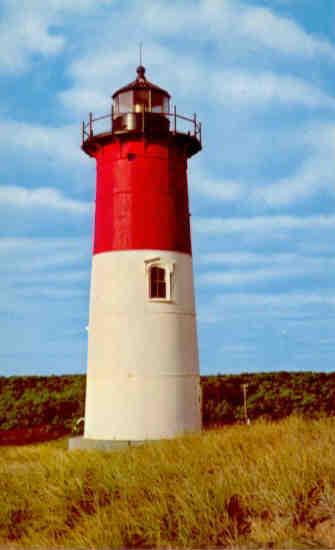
(83, 132)
(200, 137)
(112, 116)
(91, 125)
(175, 118)
(194, 124)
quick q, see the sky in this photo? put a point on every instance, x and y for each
(260, 75)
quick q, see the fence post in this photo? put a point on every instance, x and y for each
(175, 118)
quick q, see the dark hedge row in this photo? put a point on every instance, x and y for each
(269, 395)
(27, 401)
(59, 400)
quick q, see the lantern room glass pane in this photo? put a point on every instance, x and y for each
(141, 101)
(125, 102)
(166, 105)
(116, 105)
(159, 102)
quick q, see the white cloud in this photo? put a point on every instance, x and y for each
(226, 19)
(235, 277)
(263, 224)
(290, 190)
(244, 268)
(289, 308)
(21, 245)
(257, 88)
(28, 28)
(22, 34)
(223, 190)
(281, 34)
(51, 293)
(28, 255)
(283, 299)
(252, 258)
(44, 197)
(83, 100)
(55, 278)
(91, 89)
(226, 24)
(314, 175)
(37, 270)
(48, 142)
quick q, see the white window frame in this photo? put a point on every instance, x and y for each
(169, 269)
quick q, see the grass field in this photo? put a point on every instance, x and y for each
(267, 485)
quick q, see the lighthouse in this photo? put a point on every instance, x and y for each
(143, 371)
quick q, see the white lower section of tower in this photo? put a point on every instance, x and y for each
(143, 372)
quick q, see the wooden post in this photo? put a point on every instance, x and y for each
(244, 388)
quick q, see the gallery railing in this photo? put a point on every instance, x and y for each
(140, 122)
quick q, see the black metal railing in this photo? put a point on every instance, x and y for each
(177, 124)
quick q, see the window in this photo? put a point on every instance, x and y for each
(157, 282)
(159, 102)
(160, 280)
(125, 102)
(141, 101)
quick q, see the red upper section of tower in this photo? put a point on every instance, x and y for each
(142, 196)
(141, 200)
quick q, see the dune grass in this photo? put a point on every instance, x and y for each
(267, 485)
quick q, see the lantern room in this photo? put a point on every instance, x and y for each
(140, 96)
(141, 108)
(140, 102)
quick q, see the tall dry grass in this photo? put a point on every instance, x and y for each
(263, 485)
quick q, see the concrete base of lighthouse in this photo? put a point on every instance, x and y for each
(89, 444)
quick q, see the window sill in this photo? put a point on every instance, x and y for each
(161, 300)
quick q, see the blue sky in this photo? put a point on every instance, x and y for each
(260, 75)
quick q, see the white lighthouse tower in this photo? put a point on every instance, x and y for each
(143, 372)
